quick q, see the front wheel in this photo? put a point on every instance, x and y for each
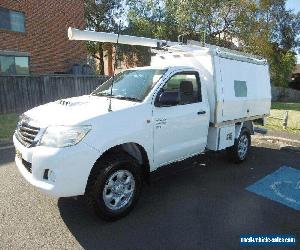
(114, 188)
(239, 151)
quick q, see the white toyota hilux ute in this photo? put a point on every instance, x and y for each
(104, 145)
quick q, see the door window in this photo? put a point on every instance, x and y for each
(186, 86)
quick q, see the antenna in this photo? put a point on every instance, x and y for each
(115, 65)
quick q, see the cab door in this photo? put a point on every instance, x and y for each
(180, 119)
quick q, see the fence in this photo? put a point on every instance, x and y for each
(283, 119)
(20, 93)
(285, 94)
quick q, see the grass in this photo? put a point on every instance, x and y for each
(286, 106)
(8, 123)
(278, 110)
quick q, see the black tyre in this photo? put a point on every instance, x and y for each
(239, 151)
(114, 186)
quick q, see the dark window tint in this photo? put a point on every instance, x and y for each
(12, 20)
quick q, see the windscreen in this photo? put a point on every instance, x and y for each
(130, 84)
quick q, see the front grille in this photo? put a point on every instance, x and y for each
(26, 134)
(27, 165)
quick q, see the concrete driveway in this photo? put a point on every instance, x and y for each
(200, 203)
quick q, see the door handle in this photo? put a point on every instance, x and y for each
(201, 112)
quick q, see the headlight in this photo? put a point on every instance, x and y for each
(63, 136)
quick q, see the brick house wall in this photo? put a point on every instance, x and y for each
(45, 38)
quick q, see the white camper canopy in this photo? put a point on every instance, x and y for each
(238, 84)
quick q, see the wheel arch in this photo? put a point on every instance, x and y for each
(249, 126)
(134, 149)
(244, 125)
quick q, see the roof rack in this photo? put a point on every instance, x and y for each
(189, 46)
(237, 55)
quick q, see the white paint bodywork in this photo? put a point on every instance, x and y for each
(127, 123)
(166, 134)
(221, 137)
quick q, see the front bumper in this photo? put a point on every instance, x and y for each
(71, 165)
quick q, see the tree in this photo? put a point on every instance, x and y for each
(271, 32)
(217, 19)
(101, 18)
(264, 27)
(145, 18)
(214, 19)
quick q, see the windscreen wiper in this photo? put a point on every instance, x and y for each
(101, 94)
(127, 98)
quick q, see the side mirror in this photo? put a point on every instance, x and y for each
(167, 99)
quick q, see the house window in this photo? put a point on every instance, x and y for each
(14, 65)
(12, 20)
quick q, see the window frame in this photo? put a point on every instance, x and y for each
(190, 72)
(10, 29)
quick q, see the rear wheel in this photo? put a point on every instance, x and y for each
(114, 186)
(239, 151)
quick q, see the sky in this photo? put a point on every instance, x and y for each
(294, 5)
